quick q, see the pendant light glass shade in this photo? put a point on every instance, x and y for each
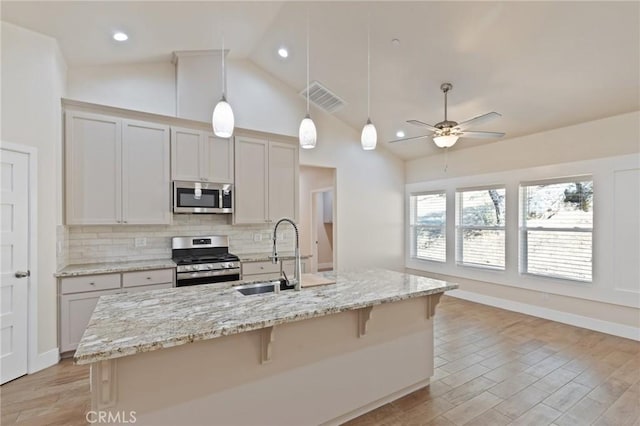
(369, 137)
(222, 119)
(445, 141)
(307, 133)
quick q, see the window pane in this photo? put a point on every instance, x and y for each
(483, 248)
(560, 205)
(550, 213)
(430, 243)
(559, 254)
(482, 208)
(428, 219)
(431, 209)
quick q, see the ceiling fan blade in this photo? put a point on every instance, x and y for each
(477, 120)
(409, 139)
(480, 135)
(422, 124)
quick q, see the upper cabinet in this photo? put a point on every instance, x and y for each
(117, 170)
(200, 156)
(266, 180)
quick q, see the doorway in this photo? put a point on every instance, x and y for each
(17, 255)
(322, 228)
(318, 218)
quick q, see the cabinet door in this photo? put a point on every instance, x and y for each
(93, 169)
(146, 185)
(217, 159)
(251, 156)
(75, 313)
(185, 154)
(283, 181)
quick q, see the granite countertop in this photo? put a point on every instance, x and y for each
(127, 324)
(263, 257)
(113, 267)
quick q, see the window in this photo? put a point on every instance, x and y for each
(556, 228)
(480, 218)
(428, 223)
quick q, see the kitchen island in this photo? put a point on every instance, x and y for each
(205, 355)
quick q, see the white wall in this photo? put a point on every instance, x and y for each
(370, 184)
(148, 87)
(33, 81)
(607, 149)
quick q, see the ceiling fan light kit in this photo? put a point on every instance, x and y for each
(445, 141)
(446, 133)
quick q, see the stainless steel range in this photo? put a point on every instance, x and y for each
(204, 260)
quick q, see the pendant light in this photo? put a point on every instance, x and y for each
(222, 119)
(369, 137)
(307, 132)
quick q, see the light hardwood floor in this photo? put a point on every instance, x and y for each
(493, 367)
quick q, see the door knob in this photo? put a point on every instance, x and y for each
(22, 274)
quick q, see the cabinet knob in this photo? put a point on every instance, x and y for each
(148, 278)
(92, 283)
(124, 221)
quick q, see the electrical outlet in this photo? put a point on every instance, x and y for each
(257, 238)
(140, 242)
(545, 296)
(59, 247)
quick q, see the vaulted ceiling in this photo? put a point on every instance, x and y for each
(542, 65)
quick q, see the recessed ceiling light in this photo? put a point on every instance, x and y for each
(120, 36)
(400, 134)
(283, 52)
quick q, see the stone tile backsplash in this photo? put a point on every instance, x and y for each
(96, 244)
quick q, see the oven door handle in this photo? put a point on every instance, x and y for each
(204, 274)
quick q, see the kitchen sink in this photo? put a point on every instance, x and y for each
(260, 288)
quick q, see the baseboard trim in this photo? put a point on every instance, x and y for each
(45, 360)
(376, 404)
(602, 326)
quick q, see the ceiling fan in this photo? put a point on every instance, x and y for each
(446, 133)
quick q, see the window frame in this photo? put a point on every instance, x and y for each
(413, 227)
(523, 229)
(460, 227)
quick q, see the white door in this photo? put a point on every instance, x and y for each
(14, 264)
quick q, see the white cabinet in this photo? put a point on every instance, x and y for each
(266, 270)
(200, 156)
(117, 171)
(266, 180)
(79, 297)
(146, 186)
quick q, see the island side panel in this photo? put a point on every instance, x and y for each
(320, 370)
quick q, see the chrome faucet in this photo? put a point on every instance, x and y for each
(296, 281)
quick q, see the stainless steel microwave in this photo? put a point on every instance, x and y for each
(202, 197)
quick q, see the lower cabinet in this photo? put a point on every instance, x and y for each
(79, 296)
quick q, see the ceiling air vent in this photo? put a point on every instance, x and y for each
(322, 97)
